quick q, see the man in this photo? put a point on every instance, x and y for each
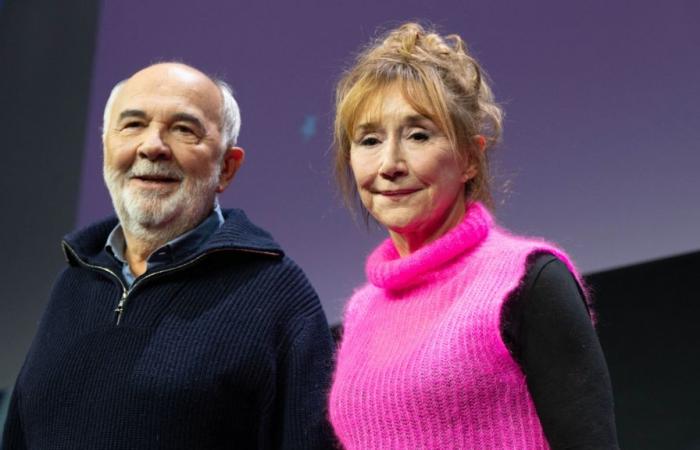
(179, 325)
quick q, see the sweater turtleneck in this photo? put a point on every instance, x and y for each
(386, 269)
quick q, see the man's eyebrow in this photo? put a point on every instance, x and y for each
(188, 118)
(132, 113)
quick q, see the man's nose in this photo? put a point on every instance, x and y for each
(393, 163)
(154, 146)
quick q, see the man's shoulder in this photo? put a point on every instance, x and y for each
(90, 239)
(94, 228)
(239, 232)
(279, 276)
(274, 269)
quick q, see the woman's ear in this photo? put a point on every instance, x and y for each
(233, 160)
(480, 143)
(470, 169)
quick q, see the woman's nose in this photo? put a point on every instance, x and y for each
(393, 164)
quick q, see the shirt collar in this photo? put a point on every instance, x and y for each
(172, 250)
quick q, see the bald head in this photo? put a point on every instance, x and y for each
(163, 77)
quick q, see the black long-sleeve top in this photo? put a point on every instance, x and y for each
(547, 327)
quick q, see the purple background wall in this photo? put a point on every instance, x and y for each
(601, 133)
(600, 147)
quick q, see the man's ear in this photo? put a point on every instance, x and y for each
(233, 160)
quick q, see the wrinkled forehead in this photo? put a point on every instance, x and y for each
(170, 91)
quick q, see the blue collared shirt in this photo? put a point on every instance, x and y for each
(172, 251)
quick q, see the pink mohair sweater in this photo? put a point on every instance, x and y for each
(422, 364)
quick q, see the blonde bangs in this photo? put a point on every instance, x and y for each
(361, 100)
(426, 96)
(364, 100)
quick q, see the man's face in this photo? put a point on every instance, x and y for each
(163, 150)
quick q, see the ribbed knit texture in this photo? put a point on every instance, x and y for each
(230, 351)
(422, 364)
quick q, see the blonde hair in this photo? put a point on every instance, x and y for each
(440, 80)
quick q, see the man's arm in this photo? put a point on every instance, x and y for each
(13, 437)
(302, 388)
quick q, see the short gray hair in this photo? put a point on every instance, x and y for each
(230, 114)
(229, 127)
(108, 107)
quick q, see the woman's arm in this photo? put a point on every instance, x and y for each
(548, 329)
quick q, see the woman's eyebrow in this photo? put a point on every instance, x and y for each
(367, 127)
(416, 119)
(412, 120)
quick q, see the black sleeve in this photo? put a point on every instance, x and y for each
(13, 437)
(304, 381)
(547, 327)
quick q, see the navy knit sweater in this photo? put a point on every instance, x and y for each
(228, 348)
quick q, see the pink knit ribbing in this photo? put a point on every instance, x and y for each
(422, 364)
(386, 269)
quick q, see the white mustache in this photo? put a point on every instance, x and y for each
(149, 169)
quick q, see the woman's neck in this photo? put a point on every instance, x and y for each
(410, 241)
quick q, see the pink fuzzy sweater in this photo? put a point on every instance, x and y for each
(422, 364)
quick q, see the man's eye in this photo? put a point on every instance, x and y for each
(183, 129)
(369, 141)
(133, 124)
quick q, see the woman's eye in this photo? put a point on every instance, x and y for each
(369, 141)
(419, 136)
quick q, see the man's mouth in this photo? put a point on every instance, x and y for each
(156, 179)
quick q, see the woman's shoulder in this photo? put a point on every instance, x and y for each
(501, 242)
(501, 238)
(358, 303)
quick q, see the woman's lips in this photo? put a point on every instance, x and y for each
(397, 192)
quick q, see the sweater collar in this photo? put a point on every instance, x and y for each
(237, 233)
(386, 269)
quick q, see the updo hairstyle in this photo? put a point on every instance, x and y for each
(440, 79)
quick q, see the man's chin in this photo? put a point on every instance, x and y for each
(151, 193)
(157, 214)
(153, 219)
(149, 212)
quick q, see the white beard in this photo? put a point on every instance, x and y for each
(154, 217)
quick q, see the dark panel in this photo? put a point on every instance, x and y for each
(648, 326)
(46, 52)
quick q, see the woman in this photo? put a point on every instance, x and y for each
(465, 336)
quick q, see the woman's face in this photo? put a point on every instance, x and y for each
(407, 175)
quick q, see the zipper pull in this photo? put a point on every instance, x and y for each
(120, 307)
